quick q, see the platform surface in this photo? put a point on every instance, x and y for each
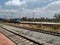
(5, 41)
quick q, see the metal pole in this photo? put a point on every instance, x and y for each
(33, 16)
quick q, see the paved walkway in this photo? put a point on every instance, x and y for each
(5, 41)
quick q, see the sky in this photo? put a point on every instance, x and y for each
(26, 8)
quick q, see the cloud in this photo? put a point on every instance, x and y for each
(45, 8)
(50, 9)
(47, 11)
(15, 3)
(8, 13)
(31, 4)
(55, 6)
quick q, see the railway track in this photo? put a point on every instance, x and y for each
(37, 30)
(17, 39)
(20, 39)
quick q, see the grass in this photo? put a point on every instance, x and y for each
(54, 28)
(50, 28)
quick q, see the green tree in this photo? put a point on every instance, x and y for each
(57, 17)
(24, 19)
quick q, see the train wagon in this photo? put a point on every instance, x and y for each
(15, 20)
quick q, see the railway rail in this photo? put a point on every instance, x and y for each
(38, 30)
(20, 39)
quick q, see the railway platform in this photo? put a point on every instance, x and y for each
(5, 41)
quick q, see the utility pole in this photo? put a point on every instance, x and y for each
(33, 15)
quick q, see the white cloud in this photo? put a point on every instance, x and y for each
(54, 6)
(47, 11)
(15, 3)
(9, 11)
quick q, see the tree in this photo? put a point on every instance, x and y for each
(57, 17)
(24, 19)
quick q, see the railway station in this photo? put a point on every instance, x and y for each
(17, 32)
(27, 22)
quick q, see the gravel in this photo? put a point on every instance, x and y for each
(44, 37)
